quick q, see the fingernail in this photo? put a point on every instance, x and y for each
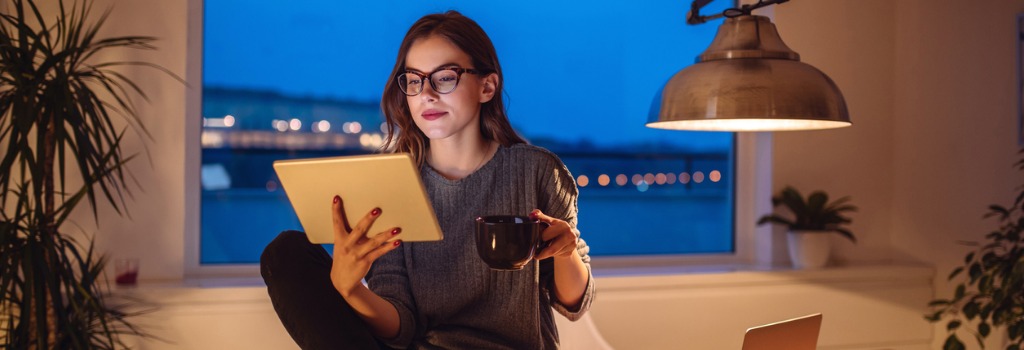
(337, 199)
(375, 212)
(533, 215)
(398, 242)
(396, 231)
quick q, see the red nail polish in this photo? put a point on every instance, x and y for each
(398, 242)
(337, 199)
(396, 231)
(533, 215)
(375, 212)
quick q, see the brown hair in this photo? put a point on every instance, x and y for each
(464, 33)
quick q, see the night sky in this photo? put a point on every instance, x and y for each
(573, 70)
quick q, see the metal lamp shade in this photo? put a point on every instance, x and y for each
(749, 80)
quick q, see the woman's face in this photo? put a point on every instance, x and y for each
(454, 114)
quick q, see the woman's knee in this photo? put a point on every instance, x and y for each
(286, 243)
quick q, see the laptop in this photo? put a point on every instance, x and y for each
(387, 181)
(800, 333)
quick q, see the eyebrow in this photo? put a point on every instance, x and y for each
(446, 65)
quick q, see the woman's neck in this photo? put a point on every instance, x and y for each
(455, 160)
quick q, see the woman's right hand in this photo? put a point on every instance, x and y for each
(354, 253)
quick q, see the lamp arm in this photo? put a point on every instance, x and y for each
(694, 17)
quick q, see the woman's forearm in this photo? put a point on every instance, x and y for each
(379, 314)
(571, 277)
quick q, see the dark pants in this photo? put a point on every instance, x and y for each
(298, 277)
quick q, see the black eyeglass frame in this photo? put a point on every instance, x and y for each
(429, 78)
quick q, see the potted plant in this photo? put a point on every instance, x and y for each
(990, 292)
(58, 106)
(812, 219)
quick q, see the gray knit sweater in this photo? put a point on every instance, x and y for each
(446, 297)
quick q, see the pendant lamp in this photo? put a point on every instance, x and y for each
(748, 80)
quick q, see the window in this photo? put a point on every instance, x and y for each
(304, 80)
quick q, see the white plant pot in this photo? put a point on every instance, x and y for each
(808, 249)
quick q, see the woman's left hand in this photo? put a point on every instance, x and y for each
(560, 237)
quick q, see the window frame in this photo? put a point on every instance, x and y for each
(754, 245)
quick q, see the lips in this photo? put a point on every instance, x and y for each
(432, 114)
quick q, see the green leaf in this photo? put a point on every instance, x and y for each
(817, 201)
(1016, 330)
(970, 256)
(971, 310)
(960, 290)
(975, 272)
(986, 310)
(984, 329)
(953, 325)
(952, 343)
(955, 272)
(938, 302)
(1003, 213)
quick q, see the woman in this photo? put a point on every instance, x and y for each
(443, 105)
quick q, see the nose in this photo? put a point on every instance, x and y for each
(428, 93)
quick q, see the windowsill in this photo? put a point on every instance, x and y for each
(241, 289)
(638, 278)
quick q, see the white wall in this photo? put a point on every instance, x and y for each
(852, 42)
(931, 89)
(154, 229)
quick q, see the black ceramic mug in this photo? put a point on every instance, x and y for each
(507, 242)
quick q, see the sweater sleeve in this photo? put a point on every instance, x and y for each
(558, 196)
(389, 279)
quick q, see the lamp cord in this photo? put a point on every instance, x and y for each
(694, 17)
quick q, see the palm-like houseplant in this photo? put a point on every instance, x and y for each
(59, 109)
(811, 219)
(990, 291)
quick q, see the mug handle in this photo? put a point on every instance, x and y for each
(541, 243)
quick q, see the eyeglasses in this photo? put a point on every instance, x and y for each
(443, 80)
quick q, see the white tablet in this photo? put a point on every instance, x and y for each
(387, 181)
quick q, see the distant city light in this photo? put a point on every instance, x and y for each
(271, 186)
(295, 124)
(642, 187)
(660, 178)
(321, 126)
(637, 179)
(212, 139)
(620, 180)
(280, 125)
(715, 176)
(384, 127)
(603, 180)
(684, 178)
(373, 140)
(698, 177)
(649, 179)
(671, 178)
(582, 181)
(226, 122)
(351, 127)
